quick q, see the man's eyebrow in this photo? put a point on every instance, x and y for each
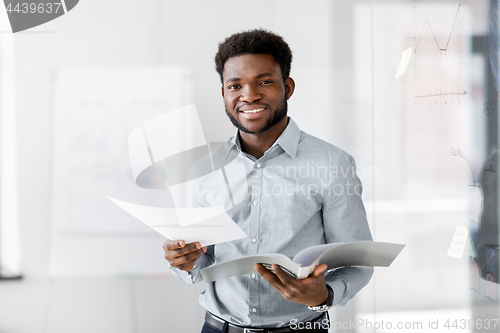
(232, 79)
(263, 75)
(258, 76)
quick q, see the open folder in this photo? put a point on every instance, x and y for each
(334, 255)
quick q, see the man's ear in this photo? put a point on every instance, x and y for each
(222, 91)
(289, 87)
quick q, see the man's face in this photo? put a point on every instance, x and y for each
(254, 93)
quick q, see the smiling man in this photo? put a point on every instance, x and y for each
(302, 192)
(255, 96)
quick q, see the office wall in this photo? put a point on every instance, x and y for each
(71, 42)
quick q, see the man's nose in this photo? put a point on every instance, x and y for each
(250, 94)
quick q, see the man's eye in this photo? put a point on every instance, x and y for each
(233, 86)
(266, 82)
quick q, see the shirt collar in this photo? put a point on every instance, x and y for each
(288, 140)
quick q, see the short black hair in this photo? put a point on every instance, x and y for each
(257, 41)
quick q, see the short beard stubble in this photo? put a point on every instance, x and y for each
(271, 122)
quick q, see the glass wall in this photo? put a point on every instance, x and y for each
(419, 79)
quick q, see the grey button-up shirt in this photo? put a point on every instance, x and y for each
(301, 192)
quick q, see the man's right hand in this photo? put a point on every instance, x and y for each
(181, 255)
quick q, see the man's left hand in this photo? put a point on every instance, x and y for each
(311, 291)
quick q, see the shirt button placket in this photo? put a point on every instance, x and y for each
(253, 288)
(255, 209)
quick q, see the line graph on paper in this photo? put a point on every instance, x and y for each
(438, 57)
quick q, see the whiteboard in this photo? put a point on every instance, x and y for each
(94, 111)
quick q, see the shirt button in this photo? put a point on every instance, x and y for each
(254, 310)
(254, 240)
(253, 276)
(254, 202)
(258, 165)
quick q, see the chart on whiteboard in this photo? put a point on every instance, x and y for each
(438, 48)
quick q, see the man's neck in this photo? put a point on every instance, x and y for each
(257, 144)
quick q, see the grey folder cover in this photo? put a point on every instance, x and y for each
(362, 253)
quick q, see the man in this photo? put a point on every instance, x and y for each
(302, 192)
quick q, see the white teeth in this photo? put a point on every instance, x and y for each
(253, 111)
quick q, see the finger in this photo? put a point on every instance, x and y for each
(170, 245)
(319, 270)
(181, 260)
(187, 266)
(284, 277)
(270, 277)
(188, 248)
(180, 251)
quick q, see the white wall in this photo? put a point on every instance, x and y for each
(9, 217)
(87, 36)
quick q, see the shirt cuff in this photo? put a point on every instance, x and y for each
(339, 287)
(186, 276)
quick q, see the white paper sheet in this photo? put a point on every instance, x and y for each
(207, 225)
(405, 59)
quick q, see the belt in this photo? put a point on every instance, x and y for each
(218, 323)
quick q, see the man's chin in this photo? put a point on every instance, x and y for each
(250, 127)
(250, 130)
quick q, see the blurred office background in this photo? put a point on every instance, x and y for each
(72, 89)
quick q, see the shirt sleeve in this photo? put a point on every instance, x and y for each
(344, 219)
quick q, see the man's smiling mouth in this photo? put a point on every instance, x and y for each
(253, 111)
